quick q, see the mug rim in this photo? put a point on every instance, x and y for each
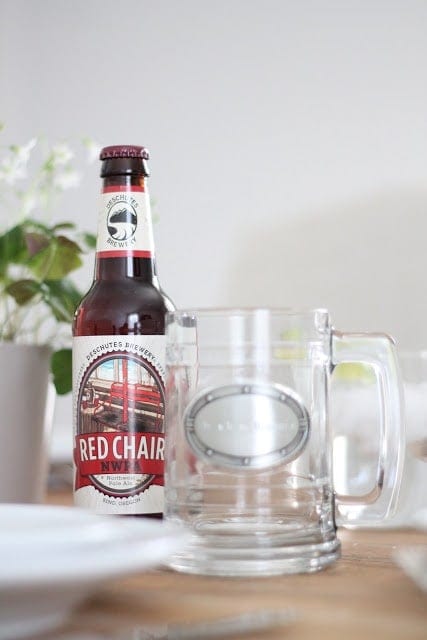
(247, 311)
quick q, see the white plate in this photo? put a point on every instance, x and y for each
(419, 519)
(413, 561)
(31, 527)
(51, 558)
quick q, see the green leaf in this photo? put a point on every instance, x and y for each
(36, 242)
(90, 240)
(23, 290)
(63, 225)
(62, 297)
(67, 243)
(57, 260)
(354, 372)
(61, 368)
(12, 248)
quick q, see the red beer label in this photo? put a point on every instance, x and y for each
(108, 453)
(118, 416)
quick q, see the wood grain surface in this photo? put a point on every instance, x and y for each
(364, 595)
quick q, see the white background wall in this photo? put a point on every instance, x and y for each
(288, 140)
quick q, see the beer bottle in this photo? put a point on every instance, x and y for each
(119, 352)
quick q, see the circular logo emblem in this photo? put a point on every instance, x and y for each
(252, 426)
(120, 414)
(121, 221)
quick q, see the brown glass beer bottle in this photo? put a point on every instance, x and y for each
(119, 352)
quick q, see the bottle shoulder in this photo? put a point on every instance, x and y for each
(129, 306)
(126, 289)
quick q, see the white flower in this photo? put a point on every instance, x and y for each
(67, 180)
(29, 203)
(14, 166)
(93, 149)
(23, 152)
(11, 171)
(61, 155)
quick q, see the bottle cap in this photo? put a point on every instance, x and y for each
(124, 160)
(124, 151)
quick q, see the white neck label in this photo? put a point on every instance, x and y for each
(124, 226)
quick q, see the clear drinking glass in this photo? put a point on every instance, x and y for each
(248, 457)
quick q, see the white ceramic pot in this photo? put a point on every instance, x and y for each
(27, 399)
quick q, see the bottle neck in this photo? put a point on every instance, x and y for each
(125, 246)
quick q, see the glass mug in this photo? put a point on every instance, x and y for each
(248, 453)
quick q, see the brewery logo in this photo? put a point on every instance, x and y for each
(124, 225)
(122, 221)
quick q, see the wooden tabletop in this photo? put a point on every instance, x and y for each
(364, 595)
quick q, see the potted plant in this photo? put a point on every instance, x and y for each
(37, 294)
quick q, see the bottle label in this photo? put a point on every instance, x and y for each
(124, 227)
(118, 409)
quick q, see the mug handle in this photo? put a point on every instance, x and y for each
(379, 352)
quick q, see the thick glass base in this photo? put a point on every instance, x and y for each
(202, 557)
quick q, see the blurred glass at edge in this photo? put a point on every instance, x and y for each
(354, 419)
